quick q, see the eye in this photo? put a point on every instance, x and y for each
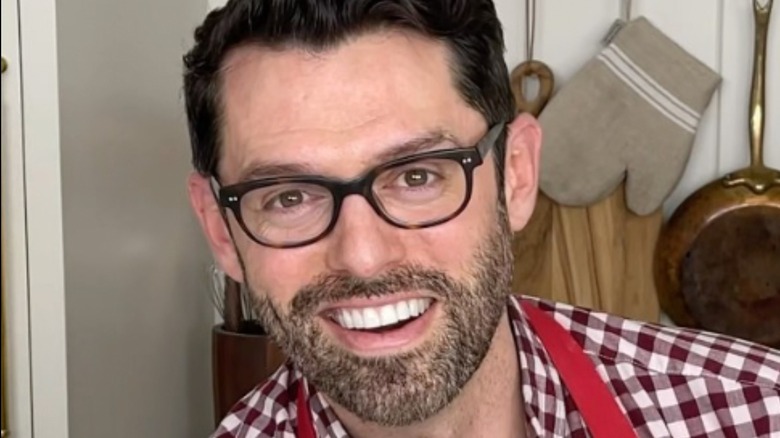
(416, 177)
(285, 203)
(290, 198)
(297, 200)
(287, 199)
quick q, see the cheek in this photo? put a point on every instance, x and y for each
(279, 273)
(446, 247)
(483, 206)
(451, 246)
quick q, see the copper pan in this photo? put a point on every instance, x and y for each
(717, 260)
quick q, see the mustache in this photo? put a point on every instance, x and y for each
(336, 287)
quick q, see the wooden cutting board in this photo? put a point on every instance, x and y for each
(599, 256)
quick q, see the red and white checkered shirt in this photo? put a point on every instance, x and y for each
(670, 382)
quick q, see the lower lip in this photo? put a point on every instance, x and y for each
(395, 341)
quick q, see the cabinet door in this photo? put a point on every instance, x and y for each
(16, 389)
(33, 281)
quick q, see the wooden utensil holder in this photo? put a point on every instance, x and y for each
(240, 362)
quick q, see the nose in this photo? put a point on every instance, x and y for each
(363, 244)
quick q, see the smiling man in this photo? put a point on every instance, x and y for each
(361, 168)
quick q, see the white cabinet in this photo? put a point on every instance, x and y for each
(32, 223)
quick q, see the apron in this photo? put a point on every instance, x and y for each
(595, 402)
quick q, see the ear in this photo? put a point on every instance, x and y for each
(214, 225)
(521, 169)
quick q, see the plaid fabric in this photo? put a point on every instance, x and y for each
(670, 382)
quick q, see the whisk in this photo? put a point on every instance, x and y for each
(231, 301)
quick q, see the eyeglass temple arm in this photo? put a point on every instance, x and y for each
(215, 186)
(490, 139)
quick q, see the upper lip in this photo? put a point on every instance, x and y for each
(359, 303)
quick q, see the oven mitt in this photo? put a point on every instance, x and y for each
(630, 113)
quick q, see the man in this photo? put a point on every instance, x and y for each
(360, 168)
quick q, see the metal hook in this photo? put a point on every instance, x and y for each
(761, 13)
(765, 8)
(625, 10)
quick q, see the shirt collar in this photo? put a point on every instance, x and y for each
(544, 395)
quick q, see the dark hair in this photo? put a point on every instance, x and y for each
(469, 28)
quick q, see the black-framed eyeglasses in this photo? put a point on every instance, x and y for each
(417, 191)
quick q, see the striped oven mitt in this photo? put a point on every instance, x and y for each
(630, 113)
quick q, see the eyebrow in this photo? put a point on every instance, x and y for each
(423, 143)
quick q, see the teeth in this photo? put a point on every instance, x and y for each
(376, 317)
(388, 315)
(357, 318)
(414, 307)
(345, 319)
(402, 310)
(371, 318)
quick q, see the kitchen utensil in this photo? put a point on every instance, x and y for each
(717, 262)
(230, 302)
(233, 311)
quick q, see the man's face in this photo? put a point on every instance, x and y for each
(432, 297)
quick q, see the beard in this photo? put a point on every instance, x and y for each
(402, 389)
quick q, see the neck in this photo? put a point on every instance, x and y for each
(490, 404)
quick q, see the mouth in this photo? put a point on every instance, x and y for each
(386, 317)
(382, 328)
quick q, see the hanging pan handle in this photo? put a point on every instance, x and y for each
(758, 178)
(757, 92)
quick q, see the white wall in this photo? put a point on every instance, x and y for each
(138, 309)
(718, 32)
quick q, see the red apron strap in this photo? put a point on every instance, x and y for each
(597, 405)
(305, 425)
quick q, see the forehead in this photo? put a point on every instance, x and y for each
(343, 105)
